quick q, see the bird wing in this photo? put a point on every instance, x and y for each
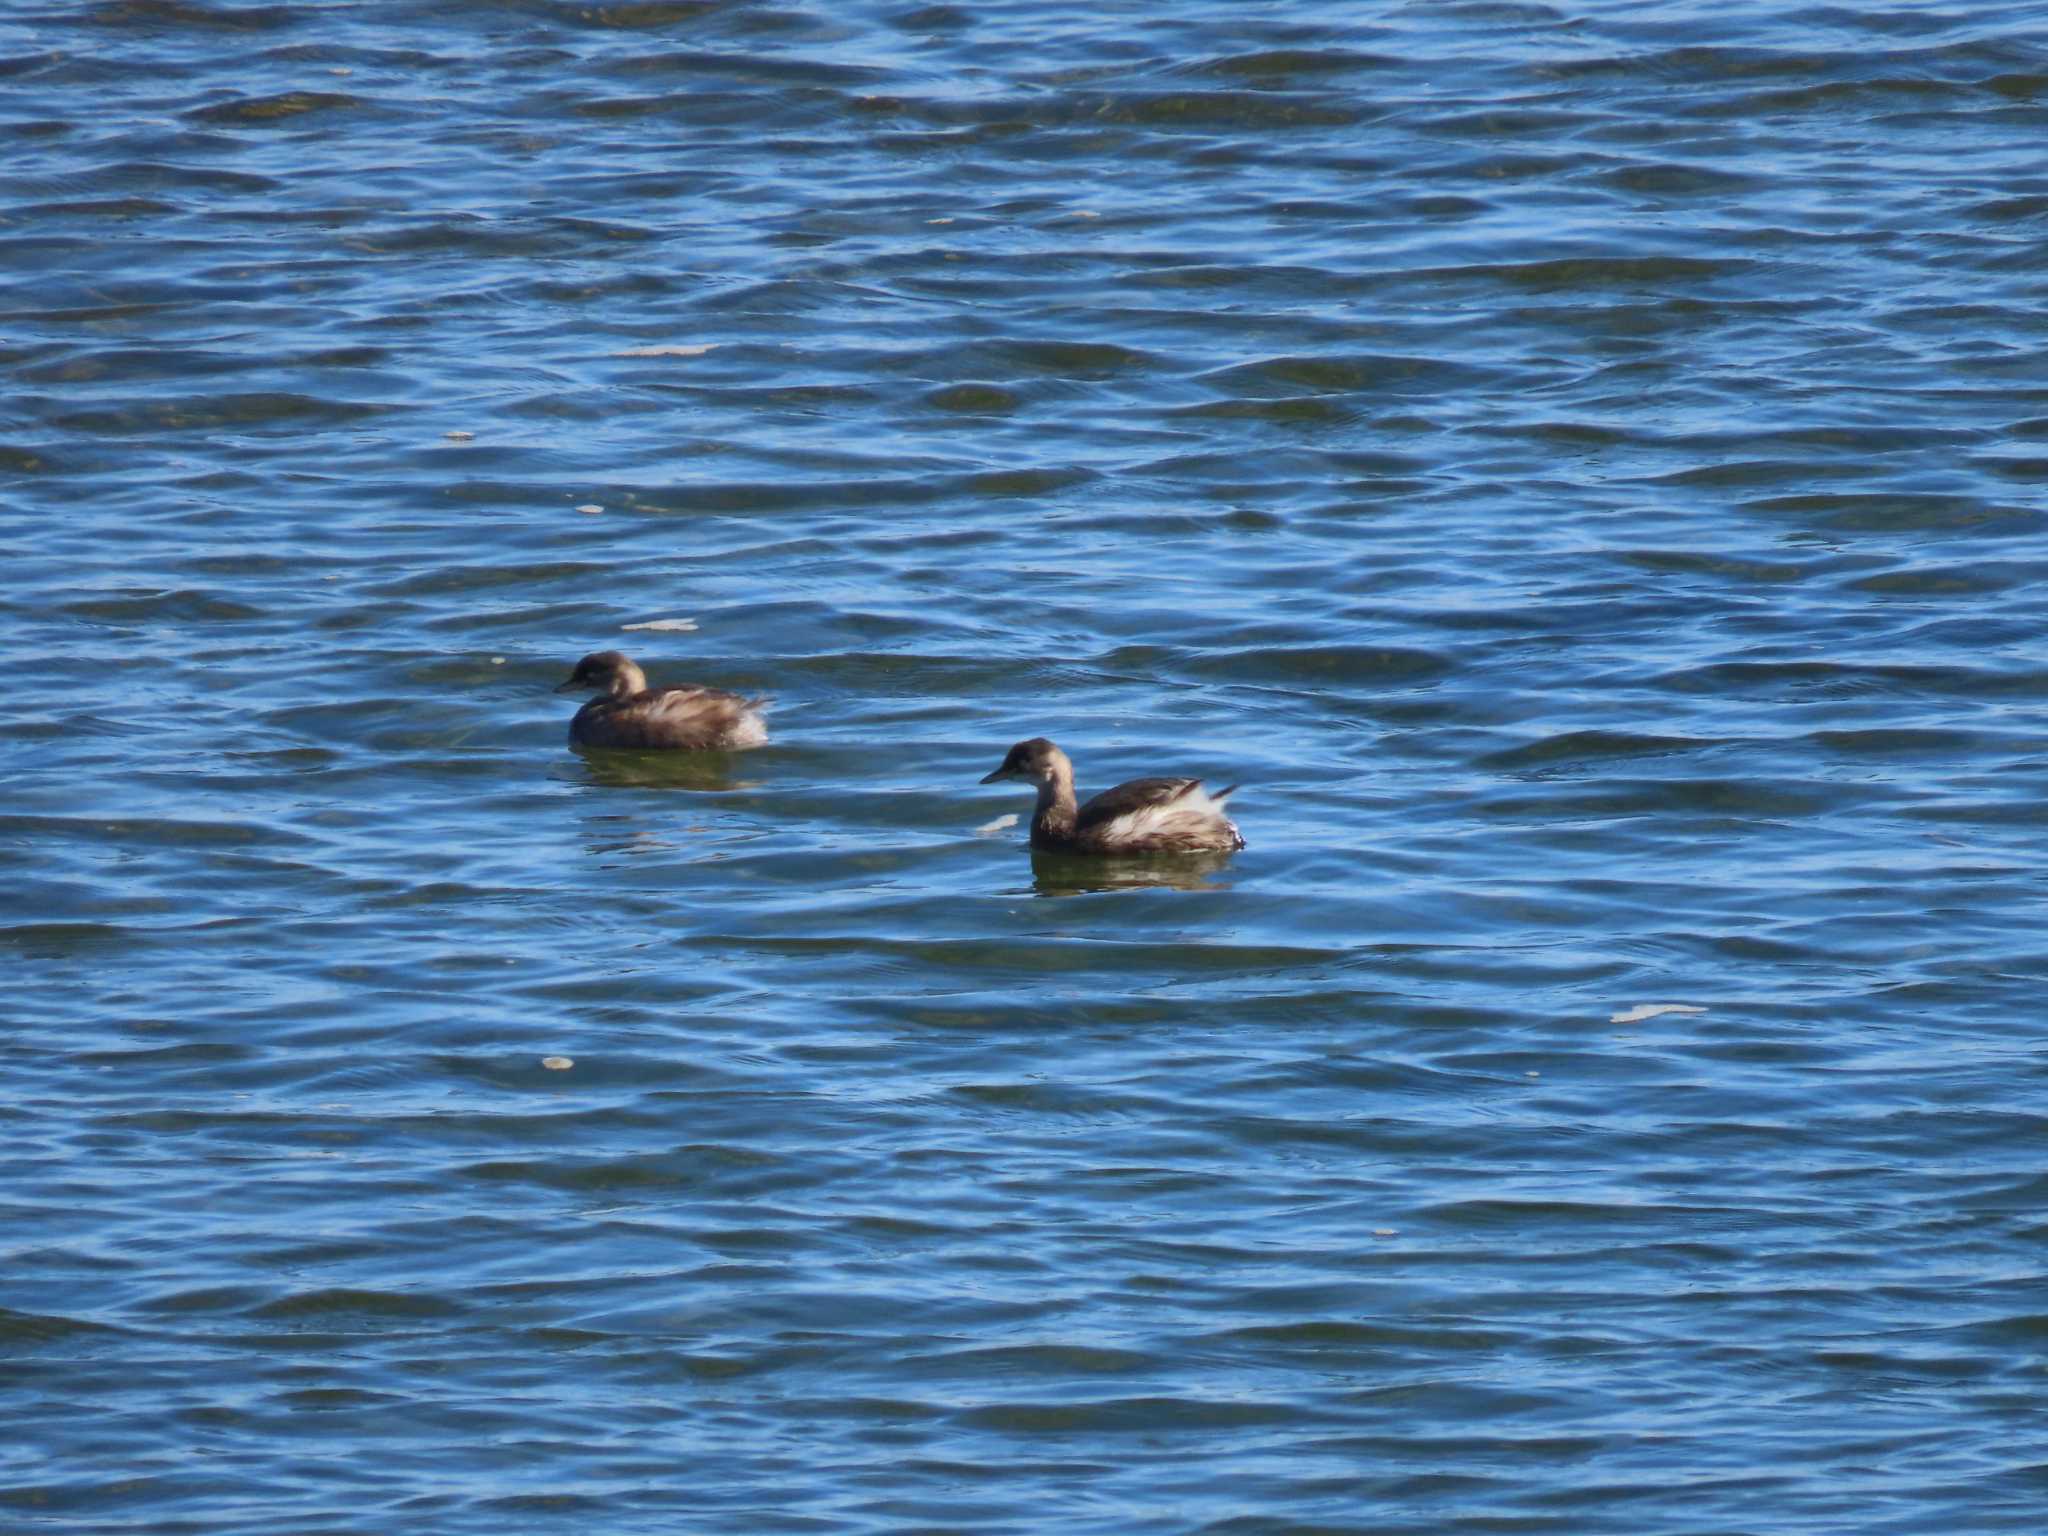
(1129, 798)
(677, 717)
(712, 710)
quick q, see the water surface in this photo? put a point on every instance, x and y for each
(1580, 468)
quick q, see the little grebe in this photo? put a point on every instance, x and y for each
(628, 713)
(1142, 816)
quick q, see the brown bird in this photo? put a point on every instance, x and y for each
(628, 713)
(1141, 816)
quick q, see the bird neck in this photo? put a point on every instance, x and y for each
(627, 680)
(1055, 814)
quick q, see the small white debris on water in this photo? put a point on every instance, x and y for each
(1532, 1074)
(1084, 213)
(557, 1063)
(497, 661)
(590, 509)
(1643, 1011)
(938, 221)
(459, 436)
(677, 624)
(1386, 1231)
(1000, 824)
(681, 349)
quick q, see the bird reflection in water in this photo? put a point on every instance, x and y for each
(1068, 874)
(615, 769)
(623, 828)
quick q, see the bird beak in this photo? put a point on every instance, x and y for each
(1000, 773)
(565, 687)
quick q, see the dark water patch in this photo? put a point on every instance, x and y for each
(1306, 412)
(1734, 798)
(1580, 747)
(2007, 467)
(1287, 376)
(364, 1307)
(467, 578)
(691, 64)
(1053, 359)
(1944, 581)
(158, 177)
(281, 108)
(1284, 64)
(19, 460)
(337, 1400)
(1675, 180)
(58, 940)
(975, 399)
(1031, 954)
(700, 106)
(133, 832)
(1720, 567)
(1899, 742)
(162, 1057)
(1743, 474)
(168, 14)
(264, 412)
(32, 1331)
(1343, 665)
(185, 606)
(224, 1300)
(633, 15)
(2013, 209)
(616, 1178)
(1820, 679)
(1570, 433)
(1862, 97)
(1593, 274)
(1056, 1360)
(1026, 483)
(1126, 1416)
(1228, 111)
(1510, 123)
(102, 208)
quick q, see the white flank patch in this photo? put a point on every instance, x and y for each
(682, 349)
(1191, 812)
(1643, 1011)
(662, 624)
(1149, 822)
(1000, 824)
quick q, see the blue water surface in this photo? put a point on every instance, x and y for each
(1579, 467)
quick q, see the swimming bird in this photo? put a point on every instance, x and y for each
(628, 713)
(1141, 816)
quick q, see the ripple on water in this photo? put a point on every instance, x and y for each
(1574, 470)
